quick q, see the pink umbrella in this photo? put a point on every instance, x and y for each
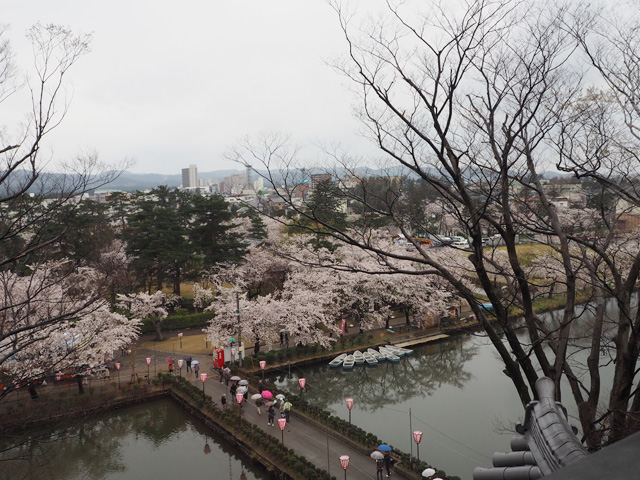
(266, 394)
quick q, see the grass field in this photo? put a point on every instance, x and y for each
(194, 344)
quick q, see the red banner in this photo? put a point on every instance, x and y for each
(343, 325)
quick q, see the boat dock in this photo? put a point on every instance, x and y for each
(421, 340)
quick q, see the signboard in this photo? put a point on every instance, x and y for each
(343, 326)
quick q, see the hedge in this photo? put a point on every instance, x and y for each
(178, 322)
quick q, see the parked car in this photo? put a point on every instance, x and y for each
(461, 244)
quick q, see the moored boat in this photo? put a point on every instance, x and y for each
(348, 362)
(336, 362)
(401, 352)
(378, 356)
(358, 356)
(370, 359)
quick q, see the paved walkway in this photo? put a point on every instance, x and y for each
(314, 444)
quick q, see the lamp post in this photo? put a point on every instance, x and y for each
(180, 367)
(118, 366)
(344, 461)
(148, 371)
(417, 437)
(302, 382)
(239, 327)
(239, 399)
(282, 422)
(349, 406)
(263, 364)
(203, 377)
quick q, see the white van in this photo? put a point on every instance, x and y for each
(462, 244)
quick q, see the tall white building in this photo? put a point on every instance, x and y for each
(190, 177)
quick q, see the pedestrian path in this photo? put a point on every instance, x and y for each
(314, 443)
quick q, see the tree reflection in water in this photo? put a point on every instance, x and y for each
(106, 446)
(430, 367)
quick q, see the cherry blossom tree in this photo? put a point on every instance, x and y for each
(57, 320)
(154, 306)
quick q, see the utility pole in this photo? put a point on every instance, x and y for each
(239, 328)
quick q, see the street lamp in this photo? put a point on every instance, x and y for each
(58, 376)
(282, 422)
(417, 437)
(180, 362)
(148, 372)
(203, 377)
(263, 364)
(239, 399)
(302, 382)
(180, 337)
(344, 461)
(118, 365)
(349, 406)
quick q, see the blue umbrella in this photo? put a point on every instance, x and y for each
(384, 448)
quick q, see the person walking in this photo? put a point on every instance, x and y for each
(286, 409)
(227, 375)
(223, 401)
(171, 368)
(188, 360)
(271, 415)
(221, 372)
(258, 405)
(387, 463)
(232, 390)
(196, 369)
(379, 468)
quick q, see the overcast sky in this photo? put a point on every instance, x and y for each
(175, 83)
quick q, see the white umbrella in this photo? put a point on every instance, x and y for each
(280, 396)
(242, 390)
(243, 382)
(256, 396)
(427, 472)
(376, 455)
(195, 362)
(235, 378)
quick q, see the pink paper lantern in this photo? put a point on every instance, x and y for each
(417, 436)
(263, 364)
(180, 362)
(302, 382)
(203, 377)
(58, 375)
(349, 403)
(282, 422)
(118, 365)
(239, 398)
(148, 360)
(344, 461)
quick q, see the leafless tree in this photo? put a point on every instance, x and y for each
(477, 101)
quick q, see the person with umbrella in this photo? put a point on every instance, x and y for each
(232, 390)
(378, 457)
(196, 367)
(226, 371)
(258, 399)
(286, 409)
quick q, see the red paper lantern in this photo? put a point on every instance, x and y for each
(417, 436)
(344, 461)
(302, 382)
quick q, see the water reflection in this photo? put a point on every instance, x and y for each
(455, 390)
(438, 364)
(157, 440)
